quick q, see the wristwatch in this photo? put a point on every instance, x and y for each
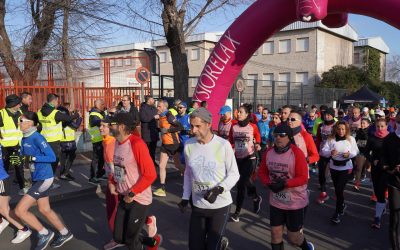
(131, 194)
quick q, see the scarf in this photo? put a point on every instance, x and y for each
(340, 138)
(381, 133)
(296, 130)
(244, 123)
(329, 122)
(282, 150)
(357, 119)
(29, 132)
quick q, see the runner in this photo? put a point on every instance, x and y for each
(225, 122)
(245, 138)
(361, 160)
(40, 156)
(211, 172)
(284, 170)
(275, 121)
(340, 148)
(5, 214)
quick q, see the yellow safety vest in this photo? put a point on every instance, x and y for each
(10, 133)
(94, 132)
(69, 134)
(51, 130)
(173, 111)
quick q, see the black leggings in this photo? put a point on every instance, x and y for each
(66, 160)
(322, 164)
(379, 181)
(339, 179)
(207, 226)
(246, 169)
(394, 224)
(97, 165)
(57, 150)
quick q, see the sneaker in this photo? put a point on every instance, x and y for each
(323, 196)
(235, 217)
(160, 192)
(94, 181)
(55, 186)
(377, 223)
(64, 177)
(158, 238)
(343, 209)
(3, 225)
(224, 243)
(257, 204)
(386, 194)
(112, 244)
(151, 226)
(23, 191)
(356, 188)
(373, 198)
(61, 239)
(335, 218)
(44, 240)
(21, 236)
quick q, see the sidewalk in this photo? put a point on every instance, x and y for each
(80, 186)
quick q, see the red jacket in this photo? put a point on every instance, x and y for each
(312, 150)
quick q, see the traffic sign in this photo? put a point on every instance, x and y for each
(239, 85)
(142, 75)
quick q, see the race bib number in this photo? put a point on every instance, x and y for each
(362, 143)
(200, 187)
(241, 145)
(282, 197)
(119, 173)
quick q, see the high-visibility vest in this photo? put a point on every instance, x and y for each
(51, 130)
(94, 132)
(10, 133)
(69, 134)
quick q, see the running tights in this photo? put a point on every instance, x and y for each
(339, 178)
(394, 224)
(379, 181)
(322, 164)
(246, 169)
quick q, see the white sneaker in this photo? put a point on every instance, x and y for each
(21, 236)
(3, 225)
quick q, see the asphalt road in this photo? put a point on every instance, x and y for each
(86, 218)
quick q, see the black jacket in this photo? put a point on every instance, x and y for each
(94, 121)
(75, 124)
(148, 123)
(374, 150)
(391, 157)
(24, 108)
(133, 110)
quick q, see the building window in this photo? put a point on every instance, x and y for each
(127, 62)
(357, 58)
(251, 78)
(118, 62)
(284, 46)
(302, 44)
(163, 57)
(268, 48)
(193, 82)
(112, 63)
(195, 54)
(284, 79)
(267, 79)
(302, 77)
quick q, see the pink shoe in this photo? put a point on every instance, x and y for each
(151, 226)
(112, 244)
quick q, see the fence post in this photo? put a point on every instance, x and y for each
(255, 87)
(302, 93)
(288, 94)
(161, 91)
(273, 96)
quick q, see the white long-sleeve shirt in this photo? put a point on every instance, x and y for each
(342, 147)
(207, 166)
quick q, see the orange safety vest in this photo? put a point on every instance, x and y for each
(168, 138)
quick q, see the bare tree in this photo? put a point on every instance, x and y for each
(393, 69)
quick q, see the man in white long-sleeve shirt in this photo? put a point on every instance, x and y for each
(211, 172)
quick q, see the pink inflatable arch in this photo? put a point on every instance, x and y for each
(260, 21)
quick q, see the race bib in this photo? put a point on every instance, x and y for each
(108, 167)
(119, 173)
(362, 143)
(241, 145)
(200, 187)
(283, 197)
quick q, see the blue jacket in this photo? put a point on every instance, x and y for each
(308, 123)
(263, 127)
(3, 172)
(35, 145)
(184, 134)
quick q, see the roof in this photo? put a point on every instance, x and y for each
(124, 47)
(373, 42)
(364, 94)
(205, 36)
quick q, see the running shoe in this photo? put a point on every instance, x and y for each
(235, 217)
(335, 218)
(3, 225)
(21, 236)
(343, 209)
(323, 196)
(61, 239)
(160, 192)
(377, 223)
(224, 243)
(257, 204)
(310, 245)
(112, 244)
(373, 198)
(94, 181)
(70, 177)
(151, 226)
(158, 238)
(386, 194)
(357, 186)
(44, 240)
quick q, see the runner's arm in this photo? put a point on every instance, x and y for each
(45, 148)
(263, 172)
(301, 170)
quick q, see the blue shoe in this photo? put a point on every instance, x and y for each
(61, 239)
(44, 240)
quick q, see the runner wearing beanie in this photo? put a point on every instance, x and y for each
(284, 170)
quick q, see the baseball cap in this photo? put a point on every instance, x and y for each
(380, 113)
(183, 104)
(124, 118)
(225, 109)
(365, 109)
(12, 101)
(203, 114)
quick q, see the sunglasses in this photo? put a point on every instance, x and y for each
(293, 119)
(24, 120)
(111, 113)
(312, 116)
(181, 107)
(281, 135)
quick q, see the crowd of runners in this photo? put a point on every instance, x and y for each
(279, 148)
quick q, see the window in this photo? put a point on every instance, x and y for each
(302, 44)
(267, 79)
(251, 78)
(302, 77)
(357, 58)
(268, 48)
(284, 46)
(127, 62)
(163, 57)
(112, 62)
(195, 54)
(284, 78)
(118, 62)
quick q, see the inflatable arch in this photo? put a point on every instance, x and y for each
(260, 21)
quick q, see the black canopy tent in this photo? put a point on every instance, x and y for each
(363, 95)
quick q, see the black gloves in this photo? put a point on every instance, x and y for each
(183, 205)
(277, 186)
(212, 194)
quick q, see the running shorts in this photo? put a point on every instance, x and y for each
(170, 149)
(292, 219)
(5, 187)
(40, 189)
